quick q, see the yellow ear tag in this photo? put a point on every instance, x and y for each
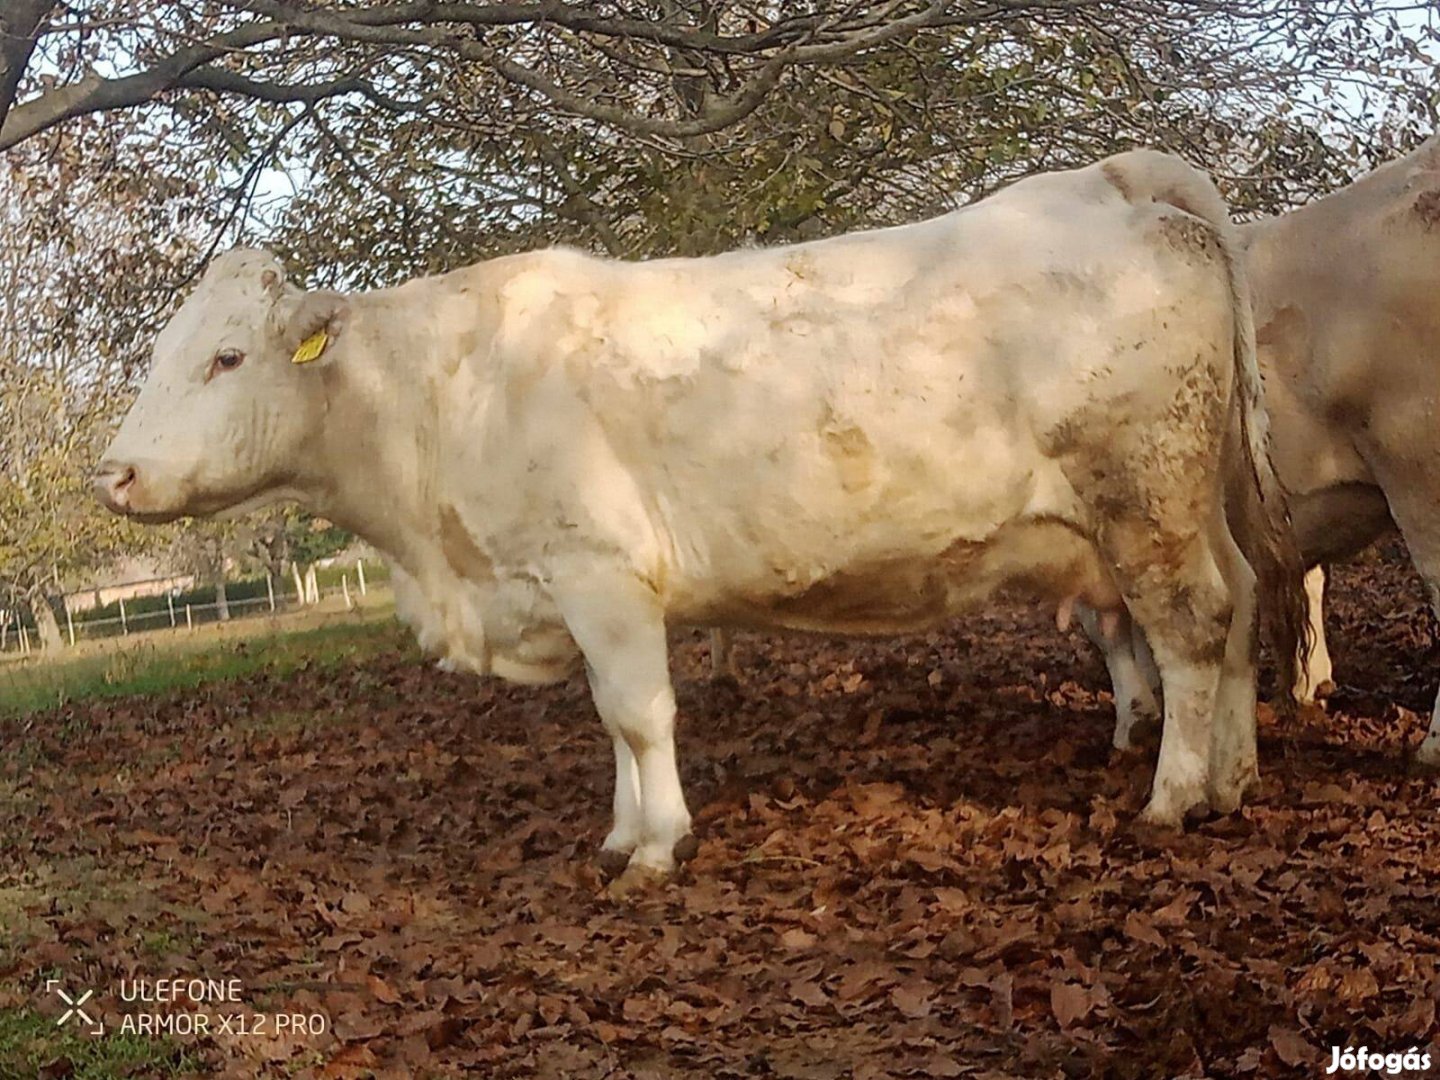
(311, 348)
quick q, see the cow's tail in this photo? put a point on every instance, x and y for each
(1256, 504)
(1259, 511)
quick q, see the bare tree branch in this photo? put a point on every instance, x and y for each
(459, 30)
(19, 30)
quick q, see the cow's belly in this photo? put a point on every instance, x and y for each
(1336, 505)
(1338, 521)
(1039, 559)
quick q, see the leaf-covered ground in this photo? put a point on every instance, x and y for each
(917, 859)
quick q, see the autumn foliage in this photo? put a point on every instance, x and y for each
(917, 859)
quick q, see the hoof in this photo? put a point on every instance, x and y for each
(1227, 798)
(635, 881)
(1161, 817)
(1306, 696)
(612, 863)
(1145, 734)
(1142, 736)
(1199, 813)
(686, 848)
(1172, 812)
(1228, 801)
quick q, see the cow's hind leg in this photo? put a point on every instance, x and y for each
(1234, 767)
(1179, 597)
(619, 626)
(1315, 675)
(1133, 680)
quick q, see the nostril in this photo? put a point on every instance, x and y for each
(114, 482)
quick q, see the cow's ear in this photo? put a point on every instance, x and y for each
(312, 325)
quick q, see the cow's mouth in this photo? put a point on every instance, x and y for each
(120, 489)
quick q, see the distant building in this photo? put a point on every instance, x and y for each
(128, 579)
(356, 551)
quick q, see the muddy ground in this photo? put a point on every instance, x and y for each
(917, 858)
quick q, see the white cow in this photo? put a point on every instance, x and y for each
(1349, 343)
(1042, 392)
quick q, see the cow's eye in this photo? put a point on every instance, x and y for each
(228, 360)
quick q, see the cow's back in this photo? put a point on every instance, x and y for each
(847, 414)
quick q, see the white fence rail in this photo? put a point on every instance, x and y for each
(19, 636)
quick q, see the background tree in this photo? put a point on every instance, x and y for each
(84, 282)
(207, 550)
(1283, 101)
(290, 539)
(369, 141)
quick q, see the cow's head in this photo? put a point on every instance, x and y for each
(232, 396)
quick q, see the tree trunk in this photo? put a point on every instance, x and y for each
(46, 623)
(212, 553)
(19, 26)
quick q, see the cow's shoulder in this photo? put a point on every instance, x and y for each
(537, 279)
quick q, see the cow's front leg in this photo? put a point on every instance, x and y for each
(1414, 497)
(624, 835)
(620, 628)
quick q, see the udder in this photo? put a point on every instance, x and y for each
(1049, 561)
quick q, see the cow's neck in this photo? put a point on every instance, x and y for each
(373, 467)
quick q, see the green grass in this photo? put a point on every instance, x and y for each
(82, 888)
(181, 662)
(29, 1042)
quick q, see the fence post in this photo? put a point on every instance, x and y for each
(345, 588)
(189, 623)
(70, 625)
(170, 603)
(124, 625)
(360, 573)
(270, 590)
